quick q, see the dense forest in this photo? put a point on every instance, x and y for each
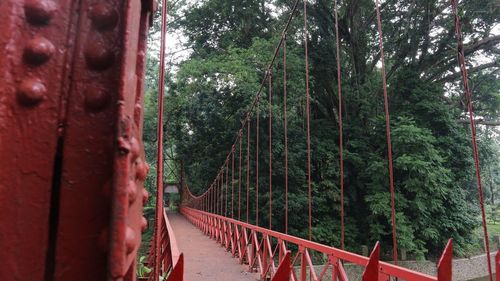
(229, 45)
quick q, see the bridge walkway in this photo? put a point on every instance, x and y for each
(205, 260)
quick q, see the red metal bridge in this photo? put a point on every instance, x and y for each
(72, 166)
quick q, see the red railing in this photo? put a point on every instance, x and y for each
(497, 265)
(172, 260)
(262, 249)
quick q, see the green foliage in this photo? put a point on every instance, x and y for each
(142, 270)
(435, 189)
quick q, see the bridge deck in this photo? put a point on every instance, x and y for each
(219, 266)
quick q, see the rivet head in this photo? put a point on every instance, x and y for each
(131, 192)
(31, 92)
(96, 99)
(144, 224)
(138, 111)
(135, 148)
(39, 12)
(123, 146)
(98, 57)
(39, 50)
(130, 240)
(142, 171)
(145, 196)
(104, 17)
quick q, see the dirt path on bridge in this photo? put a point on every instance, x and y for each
(205, 260)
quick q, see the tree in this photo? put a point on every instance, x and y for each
(435, 193)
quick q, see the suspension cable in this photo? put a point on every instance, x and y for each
(308, 121)
(341, 128)
(388, 132)
(232, 184)
(285, 121)
(227, 187)
(271, 64)
(468, 95)
(222, 190)
(221, 195)
(248, 168)
(159, 152)
(216, 194)
(218, 198)
(239, 178)
(257, 163)
(270, 148)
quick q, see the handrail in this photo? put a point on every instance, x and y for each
(253, 246)
(172, 259)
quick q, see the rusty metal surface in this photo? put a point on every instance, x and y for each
(72, 165)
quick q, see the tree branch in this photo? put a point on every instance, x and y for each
(485, 43)
(480, 121)
(456, 75)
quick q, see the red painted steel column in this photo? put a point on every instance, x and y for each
(388, 131)
(72, 152)
(159, 155)
(30, 108)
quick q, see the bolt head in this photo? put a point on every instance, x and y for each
(39, 12)
(144, 224)
(38, 51)
(96, 99)
(104, 17)
(98, 57)
(145, 196)
(131, 192)
(142, 171)
(135, 148)
(31, 92)
(130, 240)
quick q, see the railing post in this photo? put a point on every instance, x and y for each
(444, 266)
(264, 256)
(284, 269)
(177, 273)
(334, 262)
(371, 270)
(497, 265)
(303, 264)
